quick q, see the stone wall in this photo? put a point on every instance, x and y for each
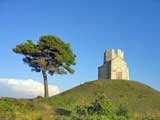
(109, 55)
(104, 71)
(119, 65)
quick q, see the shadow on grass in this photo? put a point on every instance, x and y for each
(61, 111)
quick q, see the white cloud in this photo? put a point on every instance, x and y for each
(24, 88)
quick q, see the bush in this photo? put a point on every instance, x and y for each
(100, 109)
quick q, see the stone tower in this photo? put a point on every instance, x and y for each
(114, 67)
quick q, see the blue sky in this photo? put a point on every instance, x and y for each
(90, 26)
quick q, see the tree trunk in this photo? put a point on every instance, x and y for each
(45, 84)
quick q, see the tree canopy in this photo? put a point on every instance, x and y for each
(50, 54)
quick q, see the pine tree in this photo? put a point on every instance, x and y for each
(50, 55)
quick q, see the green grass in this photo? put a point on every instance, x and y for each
(139, 99)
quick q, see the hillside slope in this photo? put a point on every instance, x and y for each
(139, 99)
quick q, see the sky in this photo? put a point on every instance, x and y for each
(91, 27)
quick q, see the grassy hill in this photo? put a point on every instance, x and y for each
(139, 99)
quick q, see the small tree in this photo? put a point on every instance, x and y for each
(50, 55)
(100, 109)
(101, 106)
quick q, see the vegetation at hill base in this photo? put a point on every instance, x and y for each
(95, 100)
